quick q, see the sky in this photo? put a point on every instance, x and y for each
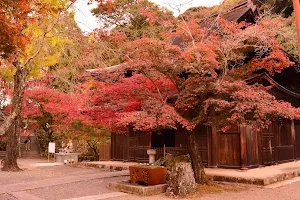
(87, 22)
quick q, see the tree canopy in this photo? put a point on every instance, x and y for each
(12, 14)
(133, 17)
(279, 7)
(155, 83)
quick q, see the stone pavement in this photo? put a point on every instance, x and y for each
(57, 181)
(258, 176)
(47, 181)
(41, 180)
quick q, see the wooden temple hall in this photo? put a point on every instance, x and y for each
(242, 147)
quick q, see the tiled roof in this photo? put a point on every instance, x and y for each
(236, 13)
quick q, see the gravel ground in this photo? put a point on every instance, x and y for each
(6, 197)
(98, 186)
(32, 173)
(41, 173)
(72, 190)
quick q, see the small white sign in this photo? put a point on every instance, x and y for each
(51, 147)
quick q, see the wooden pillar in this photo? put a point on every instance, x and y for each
(243, 142)
(294, 139)
(209, 148)
(214, 148)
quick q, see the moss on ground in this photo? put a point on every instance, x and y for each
(214, 188)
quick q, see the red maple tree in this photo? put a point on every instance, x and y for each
(206, 67)
(192, 76)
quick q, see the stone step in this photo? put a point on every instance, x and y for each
(29, 153)
(31, 157)
(33, 140)
(34, 154)
(31, 149)
(125, 186)
(31, 144)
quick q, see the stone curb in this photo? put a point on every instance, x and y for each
(136, 189)
(103, 166)
(257, 181)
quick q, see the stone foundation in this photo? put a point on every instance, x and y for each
(136, 189)
(60, 157)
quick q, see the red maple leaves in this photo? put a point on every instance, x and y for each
(192, 82)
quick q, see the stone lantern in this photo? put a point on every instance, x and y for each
(151, 153)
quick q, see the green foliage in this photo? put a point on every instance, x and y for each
(281, 7)
(44, 139)
(288, 37)
(202, 12)
(7, 72)
(133, 17)
(88, 139)
(226, 4)
(54, 47)
(88, 133)
(285, 29)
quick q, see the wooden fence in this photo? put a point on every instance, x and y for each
(104, 152)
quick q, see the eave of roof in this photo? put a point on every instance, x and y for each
(272, 82)
(236, 12)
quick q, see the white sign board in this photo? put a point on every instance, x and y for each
(51, 147)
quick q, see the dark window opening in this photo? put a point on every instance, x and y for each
(164, 137)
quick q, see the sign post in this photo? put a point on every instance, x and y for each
(51, 150)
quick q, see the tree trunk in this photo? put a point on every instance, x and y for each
(197, 163)
(12, 148)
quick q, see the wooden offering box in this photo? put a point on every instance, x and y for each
(150, 175)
